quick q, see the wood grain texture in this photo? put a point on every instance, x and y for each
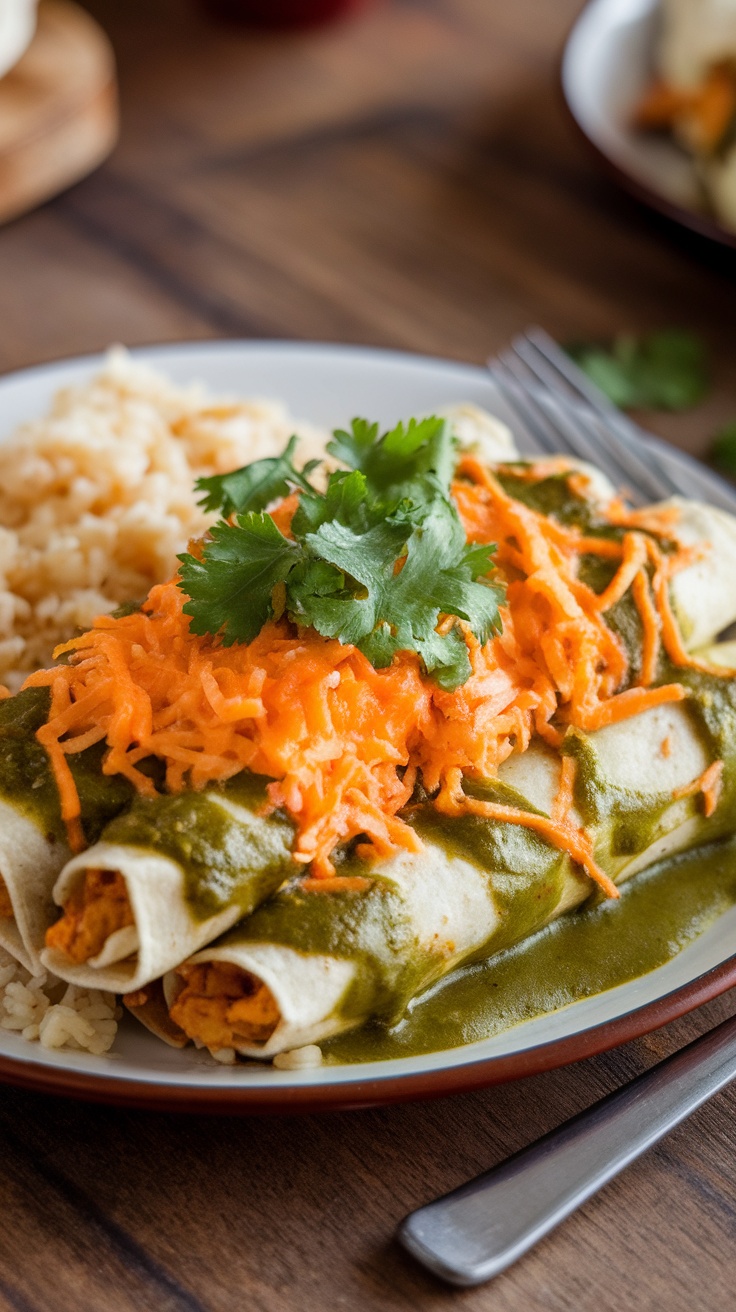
(407, 178)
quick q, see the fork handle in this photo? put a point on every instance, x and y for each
(475, 1232)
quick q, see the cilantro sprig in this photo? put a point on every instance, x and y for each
(665, 370)
(374, 559)
(256, 485)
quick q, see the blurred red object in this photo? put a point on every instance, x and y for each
(282, 13)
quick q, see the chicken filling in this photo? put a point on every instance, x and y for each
(222, 1006)
(98, 907)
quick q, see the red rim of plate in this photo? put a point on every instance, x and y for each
(383, 1090)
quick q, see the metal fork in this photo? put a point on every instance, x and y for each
(560, 410)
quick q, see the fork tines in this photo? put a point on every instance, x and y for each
(560, 410)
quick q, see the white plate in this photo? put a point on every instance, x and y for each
(606, 68)
(329, 385)
(17, 25)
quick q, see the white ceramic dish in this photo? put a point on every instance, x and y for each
(17, 26)
(328, 385)
(606, 67)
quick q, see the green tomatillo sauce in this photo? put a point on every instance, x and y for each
(26, 779)
(228, 856)
(585, 952)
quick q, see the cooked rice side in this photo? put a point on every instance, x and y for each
(57, 1015)
(97, 497)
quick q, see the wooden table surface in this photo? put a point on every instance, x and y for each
(406, 179)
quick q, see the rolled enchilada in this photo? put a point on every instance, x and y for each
(314, 962)
(33, 846)
(152, 890)
(317, 960)
(169, 875)
(489, 804)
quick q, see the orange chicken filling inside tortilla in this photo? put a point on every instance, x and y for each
(98, 907)
(222, 1005)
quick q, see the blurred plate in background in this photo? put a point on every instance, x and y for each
(606, 67)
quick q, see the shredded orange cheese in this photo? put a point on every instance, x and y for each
(565, 792)
(342, 741)
(709, 783)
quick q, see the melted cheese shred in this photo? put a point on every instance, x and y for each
(709, 783)
(344, 742)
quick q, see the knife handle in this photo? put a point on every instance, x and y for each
(475, 1232)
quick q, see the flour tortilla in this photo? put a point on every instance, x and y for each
(450, 907)
(167, 928)
(704, 594)
(629, 759)
(480, 433)
(452, 903)
(29, 864)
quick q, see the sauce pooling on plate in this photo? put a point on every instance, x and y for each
(660, 912)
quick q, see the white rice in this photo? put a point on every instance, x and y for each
(299, 1059)
(42, 1008)
(97, 497)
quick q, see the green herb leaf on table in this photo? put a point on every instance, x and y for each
(723, 450)
(665, 370)
(375, 559)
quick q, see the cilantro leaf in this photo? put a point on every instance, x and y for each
(664, 370)
(254, 486)
(446, 657)
(399, 610)
(407, 461)
(723, 450)
(345, 499)
(230, 589)
(374, 560)
(352, 448)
